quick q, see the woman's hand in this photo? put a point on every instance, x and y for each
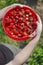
(22, 56)
(4, 10)
(25, 53)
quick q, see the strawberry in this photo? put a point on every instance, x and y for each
(19, 22)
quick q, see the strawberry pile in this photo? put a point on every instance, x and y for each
(20, 22)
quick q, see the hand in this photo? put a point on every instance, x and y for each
(4, 10)
(39, 26)
(22, 56)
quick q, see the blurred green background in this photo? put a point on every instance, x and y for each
(36, 57)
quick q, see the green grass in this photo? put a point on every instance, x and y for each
(4, 38)
(36, 57)
(4, 3)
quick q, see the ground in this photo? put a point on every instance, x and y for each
(36, 57)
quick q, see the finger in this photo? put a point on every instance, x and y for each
(24, 54)
(4, 10)
(39, 26)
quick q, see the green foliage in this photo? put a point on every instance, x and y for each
(4, 38)
(36, 57)
(8, 2)
(4, 3)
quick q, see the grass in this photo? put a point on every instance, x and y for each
(4, 38)
(36, 57)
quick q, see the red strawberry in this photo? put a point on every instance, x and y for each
(27, 11)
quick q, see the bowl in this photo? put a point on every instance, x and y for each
(20, 22)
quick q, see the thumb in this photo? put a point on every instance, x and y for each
(4, 10)
(39, 26)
